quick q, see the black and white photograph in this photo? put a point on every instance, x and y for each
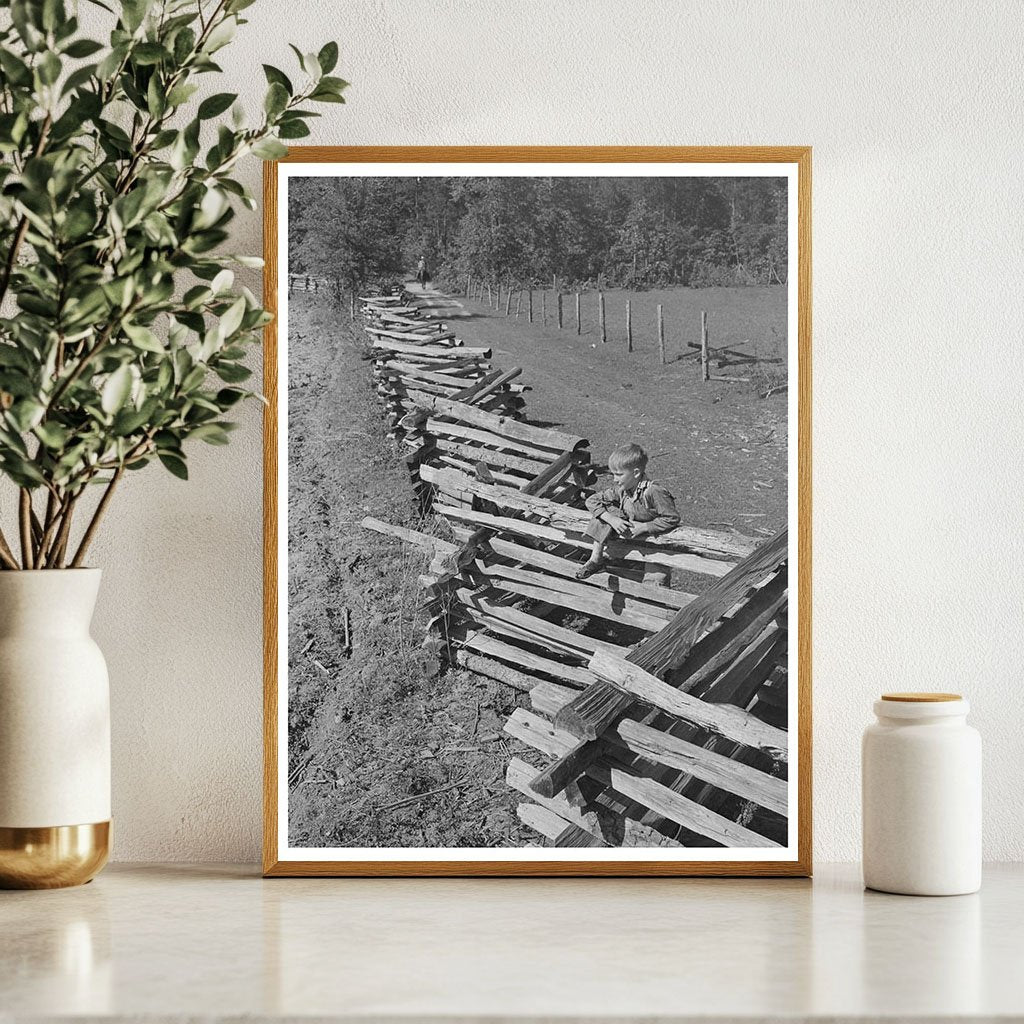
(537, 478)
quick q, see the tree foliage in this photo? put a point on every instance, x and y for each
(634, 232)
(126, 334)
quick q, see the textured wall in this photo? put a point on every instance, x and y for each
(913, 111)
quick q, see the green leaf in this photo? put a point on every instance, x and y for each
(328, 57)
(144, 338)
(193, 379)
(222, 281)
(128, 421)
(255, 262)
(149, 53)
(133, 12)
(78, 78)
(221, 35)
(49, 68)
(181, 94)
(275, 76)
(325, 96)
(214, 105)
(175, 465)
(53, 435)
(26, 414)
(211, 433)
(116, 390)
(232, 319)
(16, 70)
(107, 67)
(227, 397)
(21, 471)
(293, 130)
(269, 149)
(232, 373)
(276, 99)
(82, 48)
(334, 84)
(53, 14)
(184, 44)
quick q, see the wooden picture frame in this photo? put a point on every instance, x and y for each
(280, 860)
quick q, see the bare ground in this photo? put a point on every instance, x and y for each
(378, 727)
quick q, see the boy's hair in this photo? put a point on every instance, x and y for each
(628, 456)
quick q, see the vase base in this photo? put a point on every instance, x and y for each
(52, 857)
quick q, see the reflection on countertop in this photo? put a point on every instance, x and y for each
(179, 941)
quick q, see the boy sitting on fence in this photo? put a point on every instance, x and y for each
(634, 507)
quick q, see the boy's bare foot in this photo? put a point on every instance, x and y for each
(588, 569)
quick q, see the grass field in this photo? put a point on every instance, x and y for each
(719, 447)
(383, 749)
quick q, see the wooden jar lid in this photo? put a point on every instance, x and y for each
(921, 698)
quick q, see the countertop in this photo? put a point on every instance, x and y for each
(174, 942)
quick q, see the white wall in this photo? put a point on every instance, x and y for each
(914, 113)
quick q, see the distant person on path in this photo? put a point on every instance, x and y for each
(633, 507)
(421, 272)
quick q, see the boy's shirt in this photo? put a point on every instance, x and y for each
(649, 503)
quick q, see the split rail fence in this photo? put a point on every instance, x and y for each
(657, 716)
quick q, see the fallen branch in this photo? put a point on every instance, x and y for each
(421, 796)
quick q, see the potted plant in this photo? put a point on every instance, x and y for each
(122, 342)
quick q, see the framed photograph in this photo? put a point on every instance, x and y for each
(538, 511)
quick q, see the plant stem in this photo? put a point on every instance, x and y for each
(60, 543)
(94, 523)
(54, 509)
(25, 522)
(6, 554)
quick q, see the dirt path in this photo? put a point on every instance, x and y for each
(377, 727)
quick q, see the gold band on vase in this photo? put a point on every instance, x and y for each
(52, 857)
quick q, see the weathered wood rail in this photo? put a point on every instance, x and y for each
(657, 716)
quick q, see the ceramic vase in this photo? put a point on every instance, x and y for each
(54, 731)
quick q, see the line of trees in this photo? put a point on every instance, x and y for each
(526, 231)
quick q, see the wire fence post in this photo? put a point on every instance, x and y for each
(529, 295)
(600, 312)
(629, 327)
(578, 313)
(705, 374)
(661, 335)
(559, 304)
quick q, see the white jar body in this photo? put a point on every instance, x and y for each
(54, 702)
(922, 805)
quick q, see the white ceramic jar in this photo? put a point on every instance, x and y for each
(921, 778)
